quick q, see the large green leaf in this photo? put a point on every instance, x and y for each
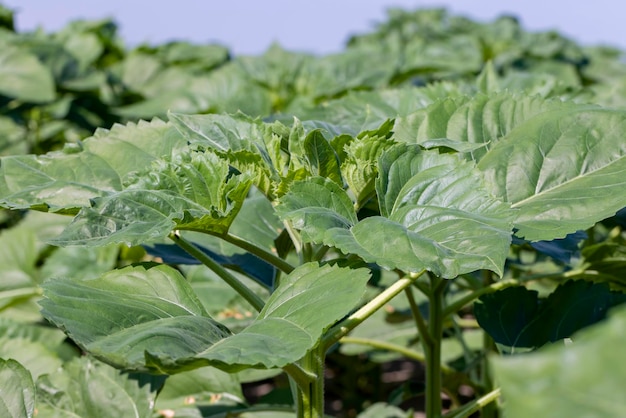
(66, 180)
(559, 163)
(86, 388)
(163, 326)
(192, 192)
(580, 379)
(129, 311)
(23, 77)
(17, 390)
(564, 170)
(436, 214)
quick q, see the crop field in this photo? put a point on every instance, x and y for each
(427, 224)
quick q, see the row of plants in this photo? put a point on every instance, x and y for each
(443, 191)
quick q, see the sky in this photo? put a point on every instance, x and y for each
(320, 26)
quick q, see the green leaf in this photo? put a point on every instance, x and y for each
(307, 302)
(23, 77)
(192, 192)
(66, 180)
(315, 206)
(164, 328)
(321, 157)
(559, 163)
(17, 390)
(87, 388)
(435, 214)
(516, 317)
(563, 170)
(203, 387)
(583, 378)
(160, 314)
(480, 120)
(237, 138)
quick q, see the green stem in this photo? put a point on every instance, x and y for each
(342, 328)
(312, 396)
(382, 345)
(273, 259)
(433, 350)
(252, 298)
(474, 406)
(417, 316)
(465, 300)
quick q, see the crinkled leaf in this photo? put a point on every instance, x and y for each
(321, 157)
(17, 390)
(66, 180)
(584, 378)
(236, 138)
(87, 388)
(192, 193)
(360, 166)
(164, 328)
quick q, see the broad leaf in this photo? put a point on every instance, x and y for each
(158, 305)
(559, 163)
(435, 214)
(517, 318)
(66, 180)
(563, 170)
(583, 378)
(17, 391)
(164, 327)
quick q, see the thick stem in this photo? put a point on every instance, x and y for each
(252, 298)
(433, 350)
(312, 396)
(342, 328)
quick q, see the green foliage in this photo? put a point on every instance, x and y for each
(300, 196)
(558, 378)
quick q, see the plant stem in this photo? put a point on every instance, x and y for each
(471, 407)
(456, 306)
(417, 316)
(342, 328)
(432, 350)
(312, 396)
(252, 298)
(273, 259)
(406, 352)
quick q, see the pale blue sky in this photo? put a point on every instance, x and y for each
(321, 26)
